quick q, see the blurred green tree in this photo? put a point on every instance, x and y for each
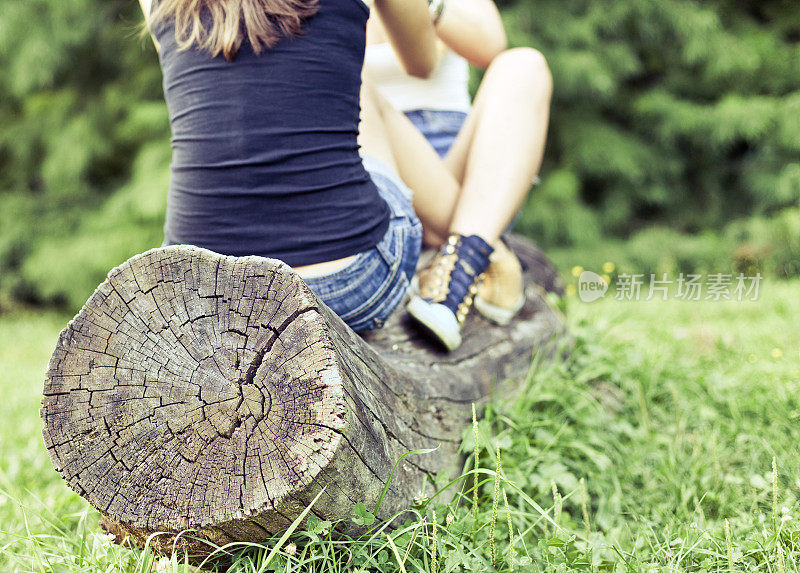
(678, 113)
(80, 99)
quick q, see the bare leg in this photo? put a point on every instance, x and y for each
(477, 192)
(372, 136)
(388, 135)
(499, 150)
(488, 172)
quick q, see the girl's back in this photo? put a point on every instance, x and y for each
(265, 157)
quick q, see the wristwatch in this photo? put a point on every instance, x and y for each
(435, 7)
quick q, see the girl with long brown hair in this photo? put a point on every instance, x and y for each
(269, 157)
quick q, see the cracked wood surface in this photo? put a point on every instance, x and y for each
(214, 393)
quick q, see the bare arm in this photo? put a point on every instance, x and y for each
(408, 27)
(472, 29)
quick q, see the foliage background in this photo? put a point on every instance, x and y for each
(673, 145)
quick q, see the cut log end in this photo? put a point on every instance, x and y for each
(214, 393)
(184, 395)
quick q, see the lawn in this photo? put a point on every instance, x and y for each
(667, 440)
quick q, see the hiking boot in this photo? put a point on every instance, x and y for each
(447, 287)
(500, 295)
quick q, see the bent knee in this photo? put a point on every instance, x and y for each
(523, 57)
(527, 64)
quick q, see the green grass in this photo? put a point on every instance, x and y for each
(670, 412)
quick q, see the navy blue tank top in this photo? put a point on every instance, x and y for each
(265, 159)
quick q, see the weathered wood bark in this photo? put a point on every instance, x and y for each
(215, 393)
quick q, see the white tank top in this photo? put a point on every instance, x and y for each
(446, 88)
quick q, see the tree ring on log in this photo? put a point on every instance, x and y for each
(185, 394)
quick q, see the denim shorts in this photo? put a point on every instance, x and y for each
(439, 127)
(366, 291)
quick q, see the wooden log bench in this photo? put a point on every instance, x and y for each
(214, 393)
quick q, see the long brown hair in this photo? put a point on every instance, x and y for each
(263, 22)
